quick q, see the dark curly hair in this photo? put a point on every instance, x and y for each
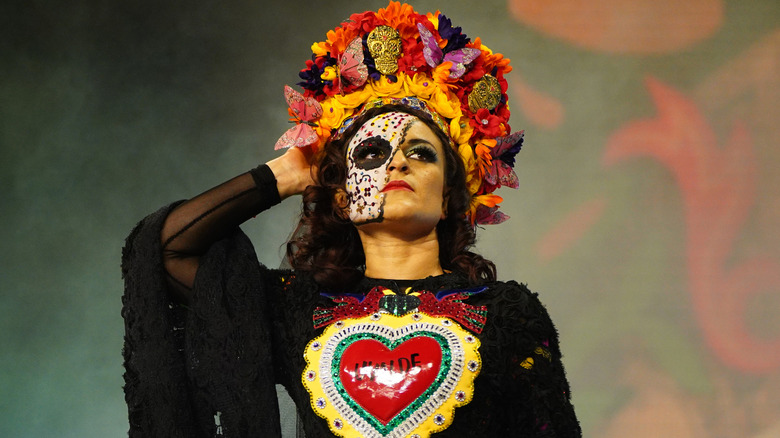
(327, 243)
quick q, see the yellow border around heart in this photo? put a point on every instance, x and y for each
(435, 415)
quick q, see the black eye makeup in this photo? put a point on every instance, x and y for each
(371, 153)
(422, 152)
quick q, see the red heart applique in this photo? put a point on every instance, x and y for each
(385, 381)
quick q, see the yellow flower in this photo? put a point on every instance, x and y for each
(461, 130)
(433, 17)
(419, 85)
(320, 48)
(355, 98)
(329, 73)
(445, 103)
(384, 87)
(472, 174)
(333, 114)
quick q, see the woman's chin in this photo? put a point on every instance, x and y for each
(408, 220)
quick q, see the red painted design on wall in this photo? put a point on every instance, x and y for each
(623, 26)
(570, 229)
(541, 109)
(718, 185)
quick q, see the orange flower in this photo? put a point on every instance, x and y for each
(441, 76)
(482, 149)
(489, 201)
(433, 17)
(335, 43)
(491, 59)
(400, 17)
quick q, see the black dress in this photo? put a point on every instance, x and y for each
(210, 368)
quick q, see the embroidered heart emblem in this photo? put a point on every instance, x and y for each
(385, 380)
(385, 376)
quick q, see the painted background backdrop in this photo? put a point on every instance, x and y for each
(647, 215)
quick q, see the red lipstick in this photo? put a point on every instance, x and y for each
(397, 185)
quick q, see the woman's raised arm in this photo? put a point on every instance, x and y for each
(191, 228)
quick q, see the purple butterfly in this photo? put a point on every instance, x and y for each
(434, 56)
(501, 172)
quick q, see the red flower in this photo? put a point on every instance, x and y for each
(502, 112)
(475, 72)
(412, 60)
(486, 123)
(363, 22)
(502, 82)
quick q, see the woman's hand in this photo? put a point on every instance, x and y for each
(293, 171)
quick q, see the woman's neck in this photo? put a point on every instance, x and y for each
(388, 256)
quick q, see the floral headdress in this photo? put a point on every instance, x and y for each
(397, 55)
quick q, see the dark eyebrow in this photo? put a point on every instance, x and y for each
(417, 141)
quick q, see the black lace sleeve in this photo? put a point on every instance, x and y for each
(194, 225)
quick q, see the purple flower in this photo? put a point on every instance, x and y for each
(455, 39)
(312, 79)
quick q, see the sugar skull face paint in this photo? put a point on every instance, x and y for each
(369, 154)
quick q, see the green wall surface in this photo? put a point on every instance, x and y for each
(647, 214)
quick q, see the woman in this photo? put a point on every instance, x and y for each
(387, 325)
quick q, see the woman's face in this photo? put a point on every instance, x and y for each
(395, 171)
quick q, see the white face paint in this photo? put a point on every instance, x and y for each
(369, 154)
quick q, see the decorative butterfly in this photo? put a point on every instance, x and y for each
(351, 67)
(489, 215)
(501, 172)
(305, 109)
(434, 56)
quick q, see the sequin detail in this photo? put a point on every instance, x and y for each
(333, 392)
(447, 303)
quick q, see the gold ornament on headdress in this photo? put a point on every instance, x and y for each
(485, 94)
(384, 44)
